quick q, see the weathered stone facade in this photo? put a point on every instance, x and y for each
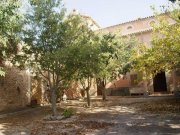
(17, 90)
(14, 89)
(141, 28)
(37, 91)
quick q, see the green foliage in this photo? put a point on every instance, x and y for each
(126, 53)
(54, 40)
(116, 55)
(165, 51)
(85, 56)
(68, 112)
(45, 34)
(11, 22)
(108, 55)
(55, 45)
(2, 73)
(87, 60)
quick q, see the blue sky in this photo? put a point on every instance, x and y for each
(111, 12)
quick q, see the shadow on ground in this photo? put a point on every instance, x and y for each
(21, 124)
(108, 119)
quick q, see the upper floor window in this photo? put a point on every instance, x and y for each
(129, 27)
(151, 23)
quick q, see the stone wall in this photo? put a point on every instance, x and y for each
(37, 91)
(135, 26)
(14, 89)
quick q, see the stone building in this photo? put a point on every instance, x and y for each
(141, 28)
(90, 22)
(14, 89)
(17, 88)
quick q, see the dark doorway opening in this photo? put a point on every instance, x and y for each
(159, 82)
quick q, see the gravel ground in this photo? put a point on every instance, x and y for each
(126, 116)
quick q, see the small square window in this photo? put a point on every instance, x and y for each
(129, 27)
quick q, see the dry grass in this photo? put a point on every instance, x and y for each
(160, 106)
(71, 128)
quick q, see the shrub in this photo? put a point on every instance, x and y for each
(68, 112)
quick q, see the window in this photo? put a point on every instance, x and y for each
(129, 27)
(151, 23)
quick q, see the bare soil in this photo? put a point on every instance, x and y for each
(117, 116)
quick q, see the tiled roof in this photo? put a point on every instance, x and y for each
(132, 32)
(133, 21)
(129, 22)
(137, 31)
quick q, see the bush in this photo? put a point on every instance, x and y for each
(68, 112)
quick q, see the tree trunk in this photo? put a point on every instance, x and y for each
(102, 85)
(53, 102)
(88, 98)
(145, 83)
(103, 93)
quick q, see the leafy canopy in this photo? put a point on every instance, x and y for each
(10, 27)
(55, 45)
(165, 51)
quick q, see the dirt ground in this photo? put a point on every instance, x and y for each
(117, 116)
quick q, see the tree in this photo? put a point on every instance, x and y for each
(10, 27)
(164, 54)
(108, 57)
(115, 53)
(101, 57)
(52, 43)
(42, 38)
(87, 60)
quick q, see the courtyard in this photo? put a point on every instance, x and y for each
(89, 67)
(117, 116)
